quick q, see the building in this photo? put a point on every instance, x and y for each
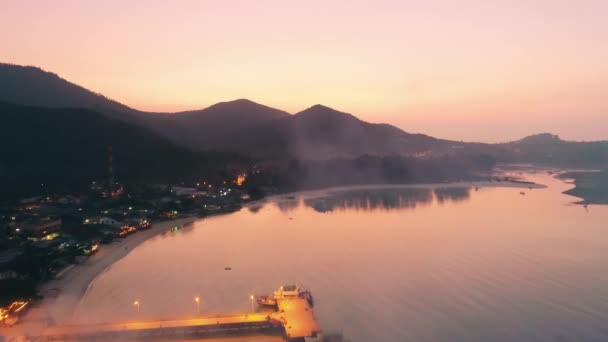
(110, 221)
(41, 228)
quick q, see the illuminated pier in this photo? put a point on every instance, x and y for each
(294, 319)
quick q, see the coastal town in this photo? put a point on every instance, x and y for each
(43, 236)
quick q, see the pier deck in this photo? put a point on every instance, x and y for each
(294, 319)
(297, 317)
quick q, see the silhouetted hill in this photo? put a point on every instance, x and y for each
(197, 129)
(549, 149)
(320, 132)
(207, 128)
(253, 129)
(541, 138)
(68, 148)
(28, 85)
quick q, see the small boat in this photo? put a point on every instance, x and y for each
(266, 301)
(522, 193)
(227, 268)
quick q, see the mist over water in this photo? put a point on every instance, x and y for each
(392, 264)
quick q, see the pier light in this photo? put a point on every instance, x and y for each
(136, 305)
(197, 300)
(252, 305)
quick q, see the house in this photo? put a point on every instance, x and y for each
(110, 222)
(30, 203)
(41, 228)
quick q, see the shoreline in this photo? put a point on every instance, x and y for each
(61, 296)
(589, 186)
(307, 194)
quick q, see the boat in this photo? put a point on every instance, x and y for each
(294, 291)
(227, 268)
(284, 292)
(266, 301)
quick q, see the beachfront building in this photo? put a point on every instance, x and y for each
(46, 228)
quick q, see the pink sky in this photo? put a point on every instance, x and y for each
(466, 70)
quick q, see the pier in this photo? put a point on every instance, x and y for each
(293, 319)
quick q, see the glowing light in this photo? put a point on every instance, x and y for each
(240, 179)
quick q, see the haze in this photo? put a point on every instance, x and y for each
(465, 70)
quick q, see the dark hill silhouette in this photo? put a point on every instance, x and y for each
(550, 149)
(68, 148)
(28, 85)
(318, 132)
(541, 138)
(198, 129)
(206, 129)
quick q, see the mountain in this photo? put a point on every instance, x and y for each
(68, 148)
(259, 131)
(550, 149)
(320, 132)
(539, 139)
(197, 129)
(206, 129)
(28, 85)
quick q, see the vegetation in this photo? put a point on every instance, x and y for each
(46, 150)
(295, 175)
(592, 187)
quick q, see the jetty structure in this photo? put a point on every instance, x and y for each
(293, 318)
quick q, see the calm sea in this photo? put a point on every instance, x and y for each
(391, 264)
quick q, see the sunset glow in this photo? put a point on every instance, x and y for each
(464, 70)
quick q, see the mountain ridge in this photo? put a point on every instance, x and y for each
(256, 130)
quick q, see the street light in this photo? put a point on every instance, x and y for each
(136, 305)
(198, 304)
(252, 309)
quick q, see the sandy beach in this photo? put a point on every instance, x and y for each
(61, 295)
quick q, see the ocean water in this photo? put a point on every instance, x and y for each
(386, 264)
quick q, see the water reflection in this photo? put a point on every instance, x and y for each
(452, 194)
(256, 207)
(380, 199)
(288, 204)
(463, 266)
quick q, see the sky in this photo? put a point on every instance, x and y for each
(457, 69)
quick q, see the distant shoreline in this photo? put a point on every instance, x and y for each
(472, 184)
(591, 186)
